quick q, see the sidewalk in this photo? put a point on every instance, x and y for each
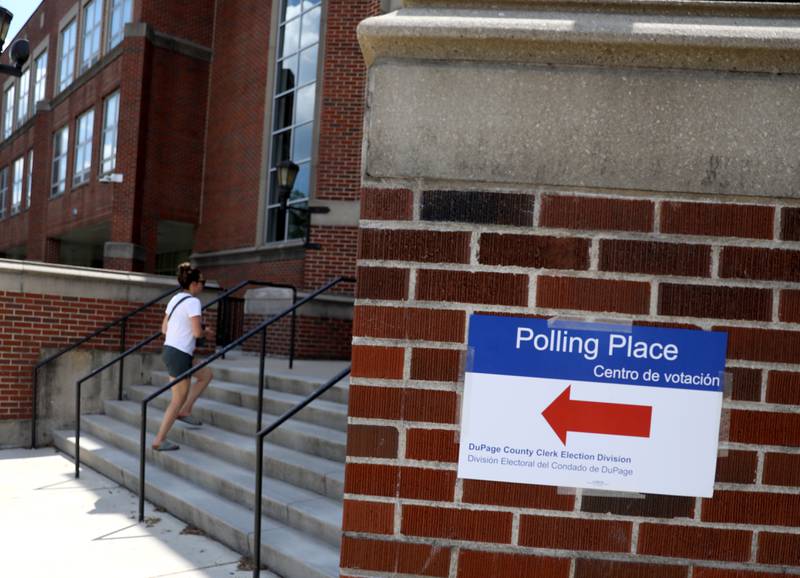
(54, 526)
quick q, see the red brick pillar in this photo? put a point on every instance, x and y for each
(126, 250)
(40, 194)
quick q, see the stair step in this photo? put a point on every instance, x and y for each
(303, 380)
(320, 412)
(319, 475)
(284, 550)
(299, 508)
(301, 436)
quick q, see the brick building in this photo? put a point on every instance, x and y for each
(143, 132)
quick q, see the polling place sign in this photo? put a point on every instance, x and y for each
(592, 405)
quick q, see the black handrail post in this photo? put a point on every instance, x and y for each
(142, 450)
(294, 325)
(78, 429)
(122, 360)
(257, 533)
(261, 377)
(263, 433)
(34, 411)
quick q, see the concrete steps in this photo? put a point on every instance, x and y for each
(210, 481)
(321, 412)
(284, 550)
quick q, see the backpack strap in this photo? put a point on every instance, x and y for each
(176, 306)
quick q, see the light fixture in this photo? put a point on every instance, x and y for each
(20, 50)
(5, 24)
(287, 174)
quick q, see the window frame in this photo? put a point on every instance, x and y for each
(85, 64)
(41, 53)
(127, 9)
(83, 148)
(17, 191)
(29, 188)
(9, 115)
(271, 200)
(58, 186)
(23, 114)
(62, 84)
(105, 133)
(3, 191)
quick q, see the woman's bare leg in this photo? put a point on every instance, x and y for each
(204, 377)
(179, 394)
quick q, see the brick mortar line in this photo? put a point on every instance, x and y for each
(561, 232)
(490, 308)
(680, 522)
(761, 406)
(420, 344)
(594, 255)
(735, 282)
(416, 206)
(777, 222)
(474, 248)
(606, 316)
(408, 423)
(761, 447)
(455, 552)
(399, 384)
(776, 305)
(716, 251)
(657, 205)
(754, 543)
(573, 565)
(634, 537)
(760, 459)
(508, 548)
(515, 522)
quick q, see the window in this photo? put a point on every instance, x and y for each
(60, 143)
(3, 191)
(40, 82)
(110, 121)
(83, 148)
(23, 103)
(92, 27)
(16, 190)
(30, 180)
(121, 13)
(66, 70)
(294, 106)
(8, 116)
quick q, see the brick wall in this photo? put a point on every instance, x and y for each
(427, 259)
(31, 322)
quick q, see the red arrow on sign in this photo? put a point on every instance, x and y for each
(565, 415)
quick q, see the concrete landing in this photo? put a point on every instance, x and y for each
(55, 525)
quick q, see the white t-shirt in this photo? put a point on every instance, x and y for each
(179, 326)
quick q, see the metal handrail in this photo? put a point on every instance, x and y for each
(260, 459)
(262, 328)
(121, 357)
(123, 320)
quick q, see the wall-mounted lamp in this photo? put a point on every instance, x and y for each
(287, 174)
(20, 49)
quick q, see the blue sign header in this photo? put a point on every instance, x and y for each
(649, 356)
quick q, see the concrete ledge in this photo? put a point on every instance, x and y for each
(69, 281)
(765, 44)
(272, 300)
(281, 251)
(684, 7)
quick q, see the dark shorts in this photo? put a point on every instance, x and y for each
(176, 360)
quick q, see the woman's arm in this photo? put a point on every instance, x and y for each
(197, 327)
(164, 324)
